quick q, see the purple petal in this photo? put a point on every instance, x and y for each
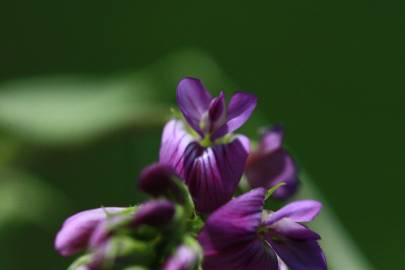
(99, 256)
(300, 255)
(154, 213)
(217, 113)
(212, 174)
(299, 211)
(77, 230)
(185, 258)
(272, 140)
(291, 229)
(235, 222)
(281, 264)
(253, 255)
(175, 141)
(193, 100)
(106, 228)
(100, 235)
(269, 169)
(240, 108)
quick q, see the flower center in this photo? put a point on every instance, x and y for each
(206, 141)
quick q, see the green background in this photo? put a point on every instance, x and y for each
(326, 70)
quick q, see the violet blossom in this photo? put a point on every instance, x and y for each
(203, 151)
(241, 235)
(271, 164)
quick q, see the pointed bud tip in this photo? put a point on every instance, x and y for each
(156, 179)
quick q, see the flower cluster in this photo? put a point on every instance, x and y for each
(193, 219)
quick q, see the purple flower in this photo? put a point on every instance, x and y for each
(241, 235)
(77, 230)
(211, 170)
(184, 258)
(209, 116)
(271, 164)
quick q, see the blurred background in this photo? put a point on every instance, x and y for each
(85, 88)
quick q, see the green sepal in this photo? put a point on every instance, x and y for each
(273, 189)
(193, 244)
(134, 251)
(81, 261)
(188, 202)
(176, 113)
(196, 224)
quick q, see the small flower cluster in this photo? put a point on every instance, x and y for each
(193, 221)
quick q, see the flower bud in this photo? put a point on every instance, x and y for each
(271, 164)
(154, 213)
(77, 230)
(157, 180)
(161, 180)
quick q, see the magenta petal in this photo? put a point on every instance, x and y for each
(235, 222)
(212, 174)
(184, 258)
(240, 108)
(298, 211)
(291, 229)
(253, 255)
(269, 169)
(77, 230)
(193, 100)
(300, 255)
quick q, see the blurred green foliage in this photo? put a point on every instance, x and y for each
(86, 87)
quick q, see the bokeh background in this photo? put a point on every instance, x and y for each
(86, 86)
